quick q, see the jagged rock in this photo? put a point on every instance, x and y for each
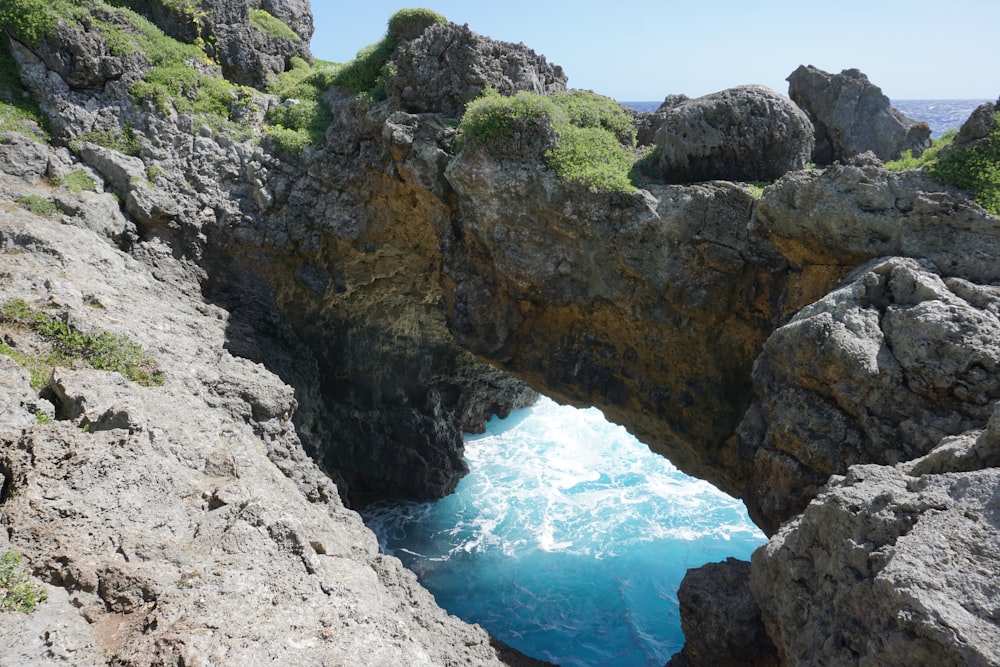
(648, 305)
(852, 116)
(449, 65)
(181, 506)
(22, 157)
(721, 619)
(885, 568)
(748, 133)
(878, 371)
(247, 54)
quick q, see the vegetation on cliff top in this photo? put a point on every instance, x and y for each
(302, 118)
(272, 25)
(975, 167)
(594, 136)
(369, 73)
(102, 350)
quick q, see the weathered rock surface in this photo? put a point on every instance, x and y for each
(449, 66)
(748, 133)
(887, 568)
(650, 305)
(181, 523)
(853, 116)
(721, 619)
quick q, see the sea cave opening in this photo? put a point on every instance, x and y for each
(568, 539)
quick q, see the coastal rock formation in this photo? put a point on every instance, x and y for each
(852, 116)
(448, 66)
(827, 351)
(748, 133)
(252, 41)
(157, 516)
(888, 566)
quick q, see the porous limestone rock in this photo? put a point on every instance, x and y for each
(747, 133)
(448, 66)
(721, 619)
(887, 568)
(877, 371)
(852, 115)
(180, 523)
(650, 305)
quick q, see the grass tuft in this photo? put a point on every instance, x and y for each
(17, 591)
(594, 137)
(103, 350)
(272, 25)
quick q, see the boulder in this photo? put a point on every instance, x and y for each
(449, 65)
(852, 115)
(749, 133)
(878, 371)
(887, 568)
(721, 619)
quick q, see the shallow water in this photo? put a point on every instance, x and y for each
(568, 539)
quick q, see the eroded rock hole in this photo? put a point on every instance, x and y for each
(567, 527)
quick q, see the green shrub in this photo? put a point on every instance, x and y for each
(407, 24)
(503, 124)
(272, 25)
(40, 206)
(29, 20)
(126, 141)
(17, 591)
(593, 140)
(975, 168)
(103, 350)
(369, 73)
(75, 181)
(907, 161)
(303, 122)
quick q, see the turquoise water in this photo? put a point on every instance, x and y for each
(568, 539)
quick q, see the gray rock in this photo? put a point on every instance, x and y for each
(749, 133)
(721, 619)
(878, 371)
(884, 568)
(852, 116)
(23, 157)
(978, 126)
(449, 65)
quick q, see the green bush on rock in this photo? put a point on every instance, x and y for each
(103, 350)
(272, 25)
(17, 591)
(974, 167)
(369, 72)
(594, 137)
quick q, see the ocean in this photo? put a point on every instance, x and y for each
(941, 115)
(568, 538)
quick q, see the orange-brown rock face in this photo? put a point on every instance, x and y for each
(651, 306)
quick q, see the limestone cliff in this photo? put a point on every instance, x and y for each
(352, 302)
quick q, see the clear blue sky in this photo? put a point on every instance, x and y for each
(635, 50)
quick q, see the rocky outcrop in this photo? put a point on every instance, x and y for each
(157, 516)
(853, 116)
(887, 567)
(721, 619)
(748, 133)
(399, 284)
(448, 66)
(253, 42)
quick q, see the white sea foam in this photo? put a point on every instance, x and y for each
(567, 527)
